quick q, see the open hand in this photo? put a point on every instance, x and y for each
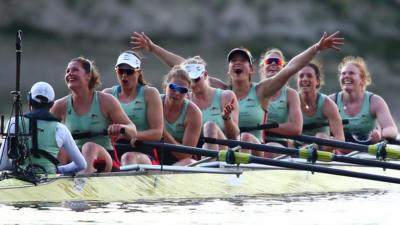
(141, 41)
(333, 41)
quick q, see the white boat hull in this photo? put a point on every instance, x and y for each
(152, 185)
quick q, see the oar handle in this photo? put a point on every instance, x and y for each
(312, 126)
(393, 141)
(259, 127)
(82, 135)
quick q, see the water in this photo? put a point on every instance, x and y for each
(335, 208)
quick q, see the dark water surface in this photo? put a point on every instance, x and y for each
(332, 208)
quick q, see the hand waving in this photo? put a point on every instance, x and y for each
(141, 41)
(228, 109)
(333, 41)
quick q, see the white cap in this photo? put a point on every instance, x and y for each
(42, 89)
(129, 58)
(194, 70)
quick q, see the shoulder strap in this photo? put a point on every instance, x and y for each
(370, 96)
(162, 98)
(33, 131)
(47, 156)
(336, 97)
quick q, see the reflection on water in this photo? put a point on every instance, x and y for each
(332, 208)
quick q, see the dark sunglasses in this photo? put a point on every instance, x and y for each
(128, 72)
(178, 88)
(277, 61)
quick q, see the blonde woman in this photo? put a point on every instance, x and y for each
(182, 118)
(368, 113)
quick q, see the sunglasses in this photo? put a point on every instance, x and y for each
(178, 88)
(277, 61)
(128, 72)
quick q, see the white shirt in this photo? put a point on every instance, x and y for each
(64, 140)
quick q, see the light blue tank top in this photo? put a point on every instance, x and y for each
(318, 118)
(177, 129)
(362, 123)
(46, 139)
(251, 112)
(278, 112)
(135, 109)
(93, 121)
(213, 112)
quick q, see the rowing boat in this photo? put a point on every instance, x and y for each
(148, 182)
(254, 176)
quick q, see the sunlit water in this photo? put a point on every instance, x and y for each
(338, 209)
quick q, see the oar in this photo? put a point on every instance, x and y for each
(380, 150)
(259, 127)
(310, 153)
(311, 126)
(83, 135)
(353, 138)
(232, 157)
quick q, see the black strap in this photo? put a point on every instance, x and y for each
(82, 135)
(33, 131)
(372, 94)
(336, 97)
(47, 156)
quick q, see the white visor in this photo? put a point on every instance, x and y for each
(194, 70)
(130, 59)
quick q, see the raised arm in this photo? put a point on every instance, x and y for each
(217, 83)
(141, 41)
(273, 84)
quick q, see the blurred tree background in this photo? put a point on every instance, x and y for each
(55, 31)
